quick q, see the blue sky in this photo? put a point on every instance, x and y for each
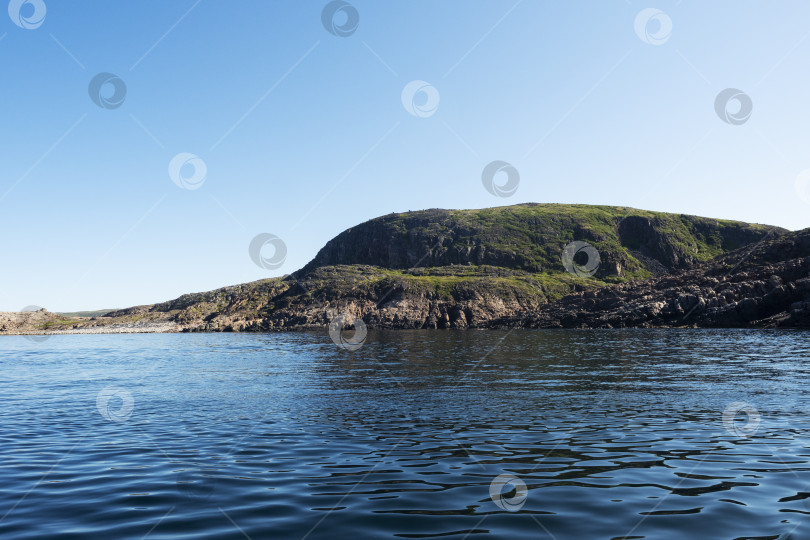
(303, 133)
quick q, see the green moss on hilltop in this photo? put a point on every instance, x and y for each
(632, 243)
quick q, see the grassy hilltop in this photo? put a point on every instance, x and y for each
(530, 237)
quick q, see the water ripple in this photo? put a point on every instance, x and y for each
(614, 434)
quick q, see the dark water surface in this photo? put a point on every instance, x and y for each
(614, 433)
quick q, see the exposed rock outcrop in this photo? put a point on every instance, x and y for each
(765, 286)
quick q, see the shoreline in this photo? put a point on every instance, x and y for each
(172, 329)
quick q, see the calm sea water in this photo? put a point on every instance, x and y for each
(615, 434)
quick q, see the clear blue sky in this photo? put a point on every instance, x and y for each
(304, 133)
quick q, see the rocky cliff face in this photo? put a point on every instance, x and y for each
(763, 285)
(531, 237)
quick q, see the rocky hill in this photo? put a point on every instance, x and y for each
(501, 267)
(531, 237)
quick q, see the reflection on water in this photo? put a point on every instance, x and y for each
(614, 434)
